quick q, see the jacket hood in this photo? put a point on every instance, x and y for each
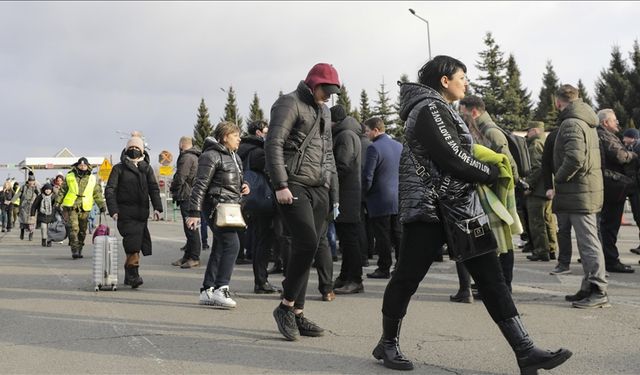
(349, 123)
(305, 93)
(253, 140)
(581, 111)
(193, 150)
(211, 143)
(412, 94)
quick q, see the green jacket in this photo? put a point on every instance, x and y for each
(497, 140)
(98, 198)
(576, 161)
(535, 181)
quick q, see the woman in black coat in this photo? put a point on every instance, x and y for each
(218, 180)
(131, 183)
(437, 168)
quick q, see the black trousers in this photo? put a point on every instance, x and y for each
(194, 246)
(610, 220)
(387, 231)
(420, 244)
(306, 222)
(323, 261)
(634, 200)
(351, 268)
(261, 237)
(281, 241)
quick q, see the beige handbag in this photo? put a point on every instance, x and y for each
(229, 215)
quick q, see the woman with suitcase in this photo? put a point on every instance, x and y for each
(131, 184)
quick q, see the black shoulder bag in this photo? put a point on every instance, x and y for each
(467, 237)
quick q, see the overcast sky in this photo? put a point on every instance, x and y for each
(73, 74)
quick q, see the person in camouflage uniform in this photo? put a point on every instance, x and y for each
(541, 223)
(76, 197)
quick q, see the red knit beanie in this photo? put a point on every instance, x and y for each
(322, 73)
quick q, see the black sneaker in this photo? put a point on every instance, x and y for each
(286, 321)
(307, 327)
(582, 294)
(593, 301)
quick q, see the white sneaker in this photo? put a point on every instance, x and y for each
(219, 297)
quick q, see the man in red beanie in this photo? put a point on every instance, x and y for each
(299, 160)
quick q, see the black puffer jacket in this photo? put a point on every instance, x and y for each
(441, 143)
(347, 154)
(185, 175)
(292, 117)
(219, 177)
(129, 188)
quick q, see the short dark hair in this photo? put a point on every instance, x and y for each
(473, 101)
(567, 93)
(375, 123)
(223, 129)
(441, 65)
(257, 125)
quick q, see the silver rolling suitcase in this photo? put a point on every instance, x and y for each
(105, 262)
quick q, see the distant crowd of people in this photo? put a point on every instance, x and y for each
(314, 176)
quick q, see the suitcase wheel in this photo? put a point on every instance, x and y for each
(97, 288)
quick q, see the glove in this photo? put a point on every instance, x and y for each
(336, 211)
(103, 210)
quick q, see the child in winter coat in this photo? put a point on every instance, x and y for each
(43, 207)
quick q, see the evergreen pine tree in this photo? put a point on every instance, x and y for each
(383, 107)
(517, 101)
(255, 112)
(546, 110)
(365, 109)
(202, 129)
(398, 131)
(231, 109)
(356, 115)
(612, 87)
(633, 97)
(490, 86)
(343, 99)
(582, 91)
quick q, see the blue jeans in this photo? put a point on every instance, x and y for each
(222, 258)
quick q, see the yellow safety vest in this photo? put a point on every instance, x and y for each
(72, 193)
(16, 202)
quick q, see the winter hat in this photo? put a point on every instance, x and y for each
(46, 186)
(136, 142)
(631, 133)
(326, 75)
(338, 113)
(31, 177)
(82, 160)
(535, 125)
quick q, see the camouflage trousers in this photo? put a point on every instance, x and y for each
(542, 226)
(77, 222)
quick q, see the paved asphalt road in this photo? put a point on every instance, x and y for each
(52, 322)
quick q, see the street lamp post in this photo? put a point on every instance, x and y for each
(234, 112)
(428, 35)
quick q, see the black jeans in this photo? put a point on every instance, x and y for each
(324, 263)
(193, 236)
(222, 258)
(610, 220)
(306, 222)
(351, 269)
(386, 230)
(261, 235)
(420, 243)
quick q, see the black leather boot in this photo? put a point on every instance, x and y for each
(388, 348)
(22, 234)
(530, 358)
(44, 242)
(131, 277)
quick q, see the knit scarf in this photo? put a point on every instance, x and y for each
(45, 205)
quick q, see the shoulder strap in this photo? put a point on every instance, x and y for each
(312, 132)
